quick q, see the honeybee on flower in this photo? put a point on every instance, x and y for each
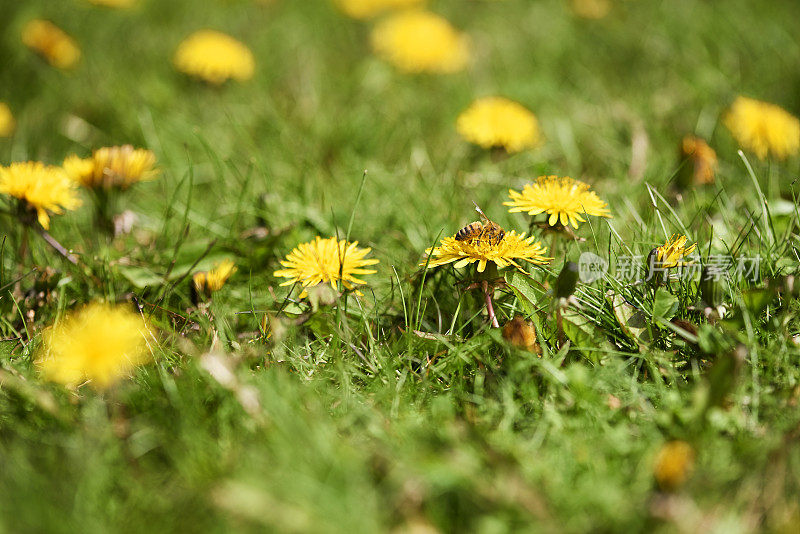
(486, 244)
(483, 230)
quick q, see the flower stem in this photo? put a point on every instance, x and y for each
(56, 245)
(22, 253)
(554, 241)
(489, 307)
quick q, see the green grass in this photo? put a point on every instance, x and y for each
(361, 425)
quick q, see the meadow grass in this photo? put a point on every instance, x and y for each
(344, 418)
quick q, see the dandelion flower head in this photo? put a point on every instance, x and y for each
(417, 41)
(7, 122)
(673, 464)
(763, 128)
(208, 282)
(366, 9)
(508, 251)
(326, 261)
(701, 157)
(99, 343)
(498, 122)
(114, 3)
(44, 189)
(673, 252)
(214, 57)
(50, 41)
(564, 199)
(591, 9)
(112, 167)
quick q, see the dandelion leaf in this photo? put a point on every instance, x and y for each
(665, 305)
(585, 336)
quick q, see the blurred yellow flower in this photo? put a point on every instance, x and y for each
(99, 343)
(207, 282)
(522, 334)
(326, 261)
(499, 122)
(701, 160)
(43, 189)
(763, 128)
(505, 252)
(50, 41)
(113, 3)
(7, 122)
(214, 57)
(419, 41)
(591, 9)
(365, 9)
(673, 464)
(565, 200)
(112, 167)
(672, 253)
(78, 169)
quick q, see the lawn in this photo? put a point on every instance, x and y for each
(657, 395)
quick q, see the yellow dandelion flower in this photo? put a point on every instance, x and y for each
(214, 57)
(114, 3)
(99, 343)
(673, 464)
(507, 251)
(672, 253)
(79, 169)
(565, 200)
(207, 282)
(366, 9)
(112, 167)
(591, 9)
(43, 189)
(418, 41)
(50, 41)
(498, 122)
(763, 128)
(702, 160)
(7, 122)
(320, 261)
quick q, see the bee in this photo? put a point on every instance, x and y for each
(480, 231)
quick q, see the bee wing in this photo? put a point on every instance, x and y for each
(480, 211)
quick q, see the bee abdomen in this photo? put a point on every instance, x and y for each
(469, 231)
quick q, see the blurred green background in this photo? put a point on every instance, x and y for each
(350, 435)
